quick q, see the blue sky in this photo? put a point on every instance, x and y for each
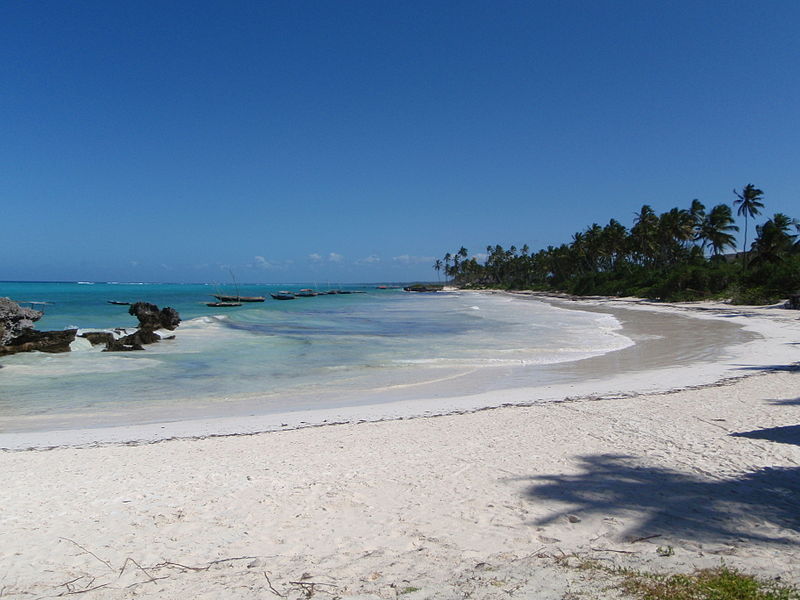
(358, 141)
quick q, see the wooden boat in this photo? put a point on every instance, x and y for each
(306, 293)
(223, 304)
(118, 303)
(283, 295)
(222, 298)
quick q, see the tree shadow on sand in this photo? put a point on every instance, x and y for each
(787, 402)
(789, 434)
(760, 506)
(793, 368)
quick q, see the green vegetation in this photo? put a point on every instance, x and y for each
(408, 590)
(707, 584)
(678, 255)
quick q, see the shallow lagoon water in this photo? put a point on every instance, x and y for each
(309, 353)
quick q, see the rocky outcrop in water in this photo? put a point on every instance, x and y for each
(18, 335)
(98, 337)
(150, 318)
(14, 320)
(41, 341)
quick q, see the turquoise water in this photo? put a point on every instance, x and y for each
(332, 350)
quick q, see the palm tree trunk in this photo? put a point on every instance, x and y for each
(744, 250)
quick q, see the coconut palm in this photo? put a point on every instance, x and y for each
(716, 229)
(675, 228)
(750, 205)
(697, 211)
(774, 240)
(643, 234)
(437, 266)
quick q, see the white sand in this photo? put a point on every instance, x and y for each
(481, 505)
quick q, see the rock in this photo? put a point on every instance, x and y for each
(98, 337)
(42, 341)
(14, 320)
(18, 335)
(120, 345)
(150, 317)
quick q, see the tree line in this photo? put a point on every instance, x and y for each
(682, 254)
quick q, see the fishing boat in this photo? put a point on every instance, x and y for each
(223, 298)
(225, 301)
(118, 303)
(306, 293)
(283, 295)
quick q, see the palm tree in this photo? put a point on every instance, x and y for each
(750, 205)
(716, 229)
(774, 239)
(697, 211)
(447, 258)
(643, 233)
(675, 228)
(437, 266)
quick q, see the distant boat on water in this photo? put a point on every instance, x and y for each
(119, 303)
(283, 295)
(306, 293)
(223, 298)
(227, 301)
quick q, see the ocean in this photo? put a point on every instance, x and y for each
(381, 345)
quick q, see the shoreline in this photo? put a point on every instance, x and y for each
(488, 502)
(647, 376)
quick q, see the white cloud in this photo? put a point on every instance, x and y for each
(333, 257)
(314, 257)
(480, 256)
(263, 263)
(372, 259)
(406, 259)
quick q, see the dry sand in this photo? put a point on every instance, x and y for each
(491, 504)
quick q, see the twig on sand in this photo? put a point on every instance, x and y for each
(91, 589)
(105, 562)
(272, 589)
(645, 538)
(141, 568)
(168, 563)
(612, 550)
(308, 587)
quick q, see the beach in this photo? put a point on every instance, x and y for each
(506, 492)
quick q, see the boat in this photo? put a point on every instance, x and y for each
(222, 298)
(225, 301)
(118, 303)
(306, 293)
(283, 295)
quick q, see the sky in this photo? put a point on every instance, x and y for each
(358, 141)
